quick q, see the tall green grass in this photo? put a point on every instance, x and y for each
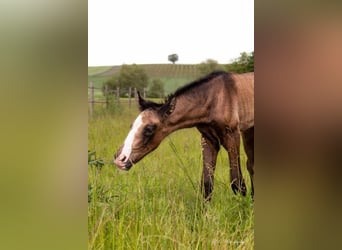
(157, 204)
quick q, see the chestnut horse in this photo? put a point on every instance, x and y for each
(220, 106)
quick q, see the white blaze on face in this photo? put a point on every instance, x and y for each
(127, 148)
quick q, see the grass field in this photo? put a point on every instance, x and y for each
(157, 204)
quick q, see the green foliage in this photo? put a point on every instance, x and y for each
(111, 84)
(132, 76)
(245, 63)
(157, 89)
(173, 58)
(208, 66)
(250, 62)
(93, 161)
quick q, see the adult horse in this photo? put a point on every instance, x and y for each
(220, 106)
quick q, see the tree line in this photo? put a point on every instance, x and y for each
(244, 63)
(136, 77)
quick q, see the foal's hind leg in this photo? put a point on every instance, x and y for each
(210, 148)
(248, 142)
(232, 145)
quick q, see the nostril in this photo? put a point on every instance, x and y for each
(123, 158)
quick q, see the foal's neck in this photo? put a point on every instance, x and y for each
(187, 114)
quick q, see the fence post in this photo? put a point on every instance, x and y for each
(135, 94)
(91, 99)
(129, 97)
(107, 97)
(118, 94)
(144, 92)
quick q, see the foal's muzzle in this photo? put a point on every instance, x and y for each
(121, 164)
(121, 161)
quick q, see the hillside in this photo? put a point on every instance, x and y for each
(152, 70)
(173, 75)
(97, 70)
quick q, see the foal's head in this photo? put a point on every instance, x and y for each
(147, 132)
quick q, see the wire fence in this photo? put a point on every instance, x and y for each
(107, 96)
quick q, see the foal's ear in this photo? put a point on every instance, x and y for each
(168, 108)
(143, 104)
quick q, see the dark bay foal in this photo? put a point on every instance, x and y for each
(220, 106)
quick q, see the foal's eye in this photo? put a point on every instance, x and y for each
(149, 130)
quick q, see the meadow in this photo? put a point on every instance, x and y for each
(158, 204)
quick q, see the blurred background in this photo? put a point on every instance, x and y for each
(43, 127)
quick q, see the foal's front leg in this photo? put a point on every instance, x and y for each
(232, 145)
(210, 148)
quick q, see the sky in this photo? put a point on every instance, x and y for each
(147, 31)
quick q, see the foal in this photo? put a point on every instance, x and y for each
(220, 106)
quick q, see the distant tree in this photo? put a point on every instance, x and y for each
(133, 76)
(157, 89)
(243, 59)
(173, 58)
(209, 66)
(128, 76)
(244, 63)
(111, 84)
(250, 62)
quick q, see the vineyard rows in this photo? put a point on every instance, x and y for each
(159, 70)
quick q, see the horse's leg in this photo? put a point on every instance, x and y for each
(232, 145)
(248, 142)
(210, 148)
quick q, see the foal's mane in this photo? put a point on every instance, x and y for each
(168, 105)
(194, 84)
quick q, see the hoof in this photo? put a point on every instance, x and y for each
(239, 188)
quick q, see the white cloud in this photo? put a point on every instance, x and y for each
(133, 31)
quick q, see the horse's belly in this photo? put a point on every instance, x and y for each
(246, 125)
(246, 116)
